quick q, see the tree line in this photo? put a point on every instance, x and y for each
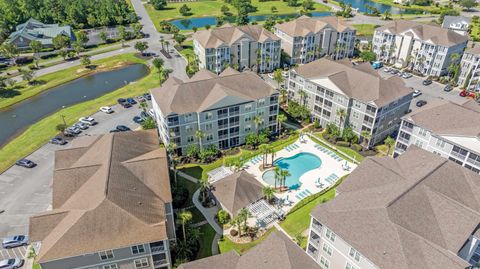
(76, 13)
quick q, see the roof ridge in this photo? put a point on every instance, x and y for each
(109, 161)
(75, 167)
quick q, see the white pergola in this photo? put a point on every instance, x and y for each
(219, 173)
(264, 212)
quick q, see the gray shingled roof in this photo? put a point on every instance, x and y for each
(275, 252)
(358, 82)
(105, 186)
(35, 30)
(237, 191)
(415, 211)
(435, 34)
(448, 118)
(204, 91)
(227, 35)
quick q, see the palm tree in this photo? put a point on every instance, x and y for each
(184, 217)
(258, 120)
(366, 138)
(167, 43)
(268, 192)
(264, 149)
(162, 41)
(278, 77)
(284, 96)
(284, 173)
(278, 174)
(271, 150)
(303, 96)
(281, 119)
(204, 187)
(244, 214)
(199, 135)
(390, 142)
(341, 113)
(171, 151)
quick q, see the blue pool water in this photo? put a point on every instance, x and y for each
(297, 165)
(188, 24)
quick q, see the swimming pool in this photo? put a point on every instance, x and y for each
(296, 165)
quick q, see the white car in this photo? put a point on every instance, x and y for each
(406, 75)
(270, 75)
(285, 74)
(151, 113)
(81, 125)
(11, 263)
(416, 93)
(106, 109)
(88, 120)
(386, 69)
(15, 241)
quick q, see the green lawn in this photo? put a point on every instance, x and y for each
(341, 151)
(365, 29)
(226, 244)
(212, 8)
(187, 49)
(298, 221)
(39, 133)
(431, 9)
(475, 32)
(36, 266)
(207, 235)
(191, 187)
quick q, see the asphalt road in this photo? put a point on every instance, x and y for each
(24, 192)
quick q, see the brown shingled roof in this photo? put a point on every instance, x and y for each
(415, 211)
(228, 35)
(113, 184)
(175, 96)
(237, 191)
(305, 25)
(355, 81)
(276, 252)
(435, 34)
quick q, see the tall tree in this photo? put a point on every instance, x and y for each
(285, 173)
(268, 192)
(366, 138)
(185, 217)
(278, 77)
(257, 120)
(137, 30)
(123, 34)
(199, 135)
(281, 119)
(82, 38)
(159, 4)
(61, 42)
(103, 36)
(10, 50)
(341, 114)
(141, 46)
(36, 47)
(390, 142)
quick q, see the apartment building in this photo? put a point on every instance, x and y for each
(306, 39)
(241, 47)
(459, 24)
(222, 107)
(446, 129)
(277, 251)
(111, 205)
(415, 211)
(370, 103)
(469, 76)
(423, 48)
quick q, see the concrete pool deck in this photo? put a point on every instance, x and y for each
(329, 166)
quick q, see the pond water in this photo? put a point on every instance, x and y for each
(16, 118)
(361, 5)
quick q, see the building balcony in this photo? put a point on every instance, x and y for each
(473, 162)
(317, 227)
(172, 123)
(159, 263)
(458, 155)
(406, 128)
(158, 247)
(403, 140)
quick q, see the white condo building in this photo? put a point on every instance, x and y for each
(423, 48)
(306, 39)
(469, 68)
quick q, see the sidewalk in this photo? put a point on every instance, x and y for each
(208, 213)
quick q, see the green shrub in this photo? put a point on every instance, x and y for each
(356, 147)
(343, 144)
(223, 217)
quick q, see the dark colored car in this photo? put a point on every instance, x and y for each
(427, 82)
(122, 128)
(144, 115)
(421, 103)
(124, 103)
(138, 119)
(69, 133)
(448, 88)
(25, 163)
(58, 141)
(131, 101)
(114, 131)
(147, 96)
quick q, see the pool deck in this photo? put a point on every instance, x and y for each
(329, 166)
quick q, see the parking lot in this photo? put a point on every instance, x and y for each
(12, 253)
(25, 192)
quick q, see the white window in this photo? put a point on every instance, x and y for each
(208, 115)
(188, 117)
(248, 107)
(138, 249)
(209, 137)
(324, 262)
(440, 143)
(419, 144)
(327, 249)
(208, 127)
(350, 266)
(248, 128)
(188, 128)
(190, 139)
(141, 263)
(354, 254)
(105, 255)
(261, 101)
(110, 266)
(422, 132)
(330, 235)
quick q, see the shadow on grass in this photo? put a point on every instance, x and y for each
(9, 93)
(194, 171)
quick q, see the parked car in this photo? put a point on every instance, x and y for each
(377, 65)
(421, 103)
(386, 69)
(448, 88)
(407, 75)
(393, 71)
(416, 93)
(147, 96)
(124, 103)
(81, 125)
(131, 101)
(144, 115)
(15, 241)
(88, 120)
(58, 141)
(74, 130)
(69, 133)
(106, 109)
(427, 82)
(122, 128)
(114, 131)
(138, 119)
(141, 99)
(11, 263)
(151, 112)
(25, 163)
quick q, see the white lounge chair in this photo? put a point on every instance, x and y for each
(286, 201)
(317, 183)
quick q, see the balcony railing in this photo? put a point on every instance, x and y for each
(403, 140)
(315, 242)
(158, 263)
(157, 249)
(317, 227)
(474, 162)
(458, 155)
(406, 128)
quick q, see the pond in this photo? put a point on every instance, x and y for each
(16, 118)
(188, 24)
(361, 5)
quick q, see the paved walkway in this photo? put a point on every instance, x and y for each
(215, 249)
(188, 177)
(208, 213)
